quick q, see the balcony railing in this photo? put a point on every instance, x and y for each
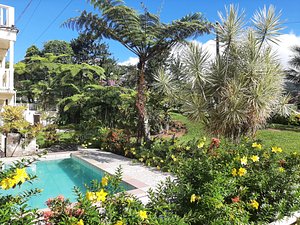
(7, 16)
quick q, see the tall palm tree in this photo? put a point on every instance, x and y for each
(141, 33)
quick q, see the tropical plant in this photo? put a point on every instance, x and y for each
(14, 122)
(235, 93)
(143, 34)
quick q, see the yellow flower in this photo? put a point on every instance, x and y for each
(104, 181)
(91, 196)
(255, 145)
(194, 198)
(80, 222)
(244, 160)
(143, 214)
(254, 204)
(255, 158)
(174, 158)
(242, 171)
(187, 148)
(101, 195)
(7, 183)
(234, 172)
(119, 222)
(281, 169)
(276, 149)
(158, 167)
(201, 144)
(21, 175)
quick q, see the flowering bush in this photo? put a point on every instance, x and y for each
(223, 183)
(13, 208)
(100, 205)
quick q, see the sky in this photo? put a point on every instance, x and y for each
(40, 21)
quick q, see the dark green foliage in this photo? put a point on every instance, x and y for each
(99, 107)
(141, 33)
(57, 48)
(90, 50)
(32, 51)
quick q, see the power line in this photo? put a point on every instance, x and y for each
(22, 31)
(53, 21)
(22, 13)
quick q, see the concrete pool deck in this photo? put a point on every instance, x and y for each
(134, 173)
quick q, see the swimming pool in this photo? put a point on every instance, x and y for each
(58, 177)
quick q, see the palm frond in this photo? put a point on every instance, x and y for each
(267, 25)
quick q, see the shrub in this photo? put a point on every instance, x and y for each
(225, 183)
(13, 208)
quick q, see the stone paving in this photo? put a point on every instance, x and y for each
(134, 173)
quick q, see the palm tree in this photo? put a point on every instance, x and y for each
(143, 34)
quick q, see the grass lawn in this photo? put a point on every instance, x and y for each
(194, 130)
(283, 136)
(287, 140)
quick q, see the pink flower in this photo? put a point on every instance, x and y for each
(79, 212)
(47, 214)
(49, 201)
(60, 198)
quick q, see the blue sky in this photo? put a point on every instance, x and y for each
(40, 13)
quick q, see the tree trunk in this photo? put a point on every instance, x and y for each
(143, 124)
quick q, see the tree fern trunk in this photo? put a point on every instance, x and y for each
(143, 129)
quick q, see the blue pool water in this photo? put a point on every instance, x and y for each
(58, 177)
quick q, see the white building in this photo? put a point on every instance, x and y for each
(8, 34)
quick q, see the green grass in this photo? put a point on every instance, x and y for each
(194, 130)
(284, 136)
(287, 140)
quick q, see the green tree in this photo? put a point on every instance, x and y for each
(89, 49)
(32, 51)
(143, 34)
(59, 48)
(49, 81)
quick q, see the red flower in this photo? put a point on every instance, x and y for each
(235, 199)
(215, 142)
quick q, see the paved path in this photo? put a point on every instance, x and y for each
(134, 173)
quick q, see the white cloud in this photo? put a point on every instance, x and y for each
(130, 62)
(283, 49)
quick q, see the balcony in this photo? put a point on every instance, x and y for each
(8, 31)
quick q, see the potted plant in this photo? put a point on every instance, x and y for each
(18, 135)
